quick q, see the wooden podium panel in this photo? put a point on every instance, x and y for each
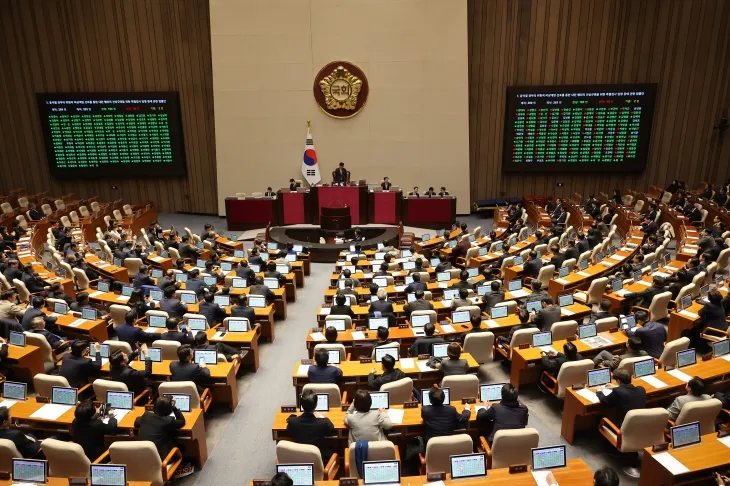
(354, 197)
(250, 213)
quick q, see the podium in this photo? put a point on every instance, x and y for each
(335, 218)
(355, 198)
(294, 207)
(250, 213)
(429, 212)
(386, 207)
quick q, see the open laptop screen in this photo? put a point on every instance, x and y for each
(381, 472)
(108, 475)
(548, 457)
(687, 434)
(468, 465)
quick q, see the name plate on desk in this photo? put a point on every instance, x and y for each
(660, 447)
(261, 482)
(410, 405)
(437, 476)
(518, 468)
(524, 346)
(344, 408)
(288, 409)
(40, 399)
(307, 362)
(366, 360)
(424, 356)
(571, 338)
(468, 400)
(403, 326)
(348, 482)
(361, 328)
(77, 482)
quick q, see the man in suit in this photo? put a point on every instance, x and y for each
(441, 420)
(173, 332)
(609, 360)
(711, 315)
(194, 282)
(88, 429)
(430, 192)
(644, 298)
(60, 235)
(443, 192)
(38, 326)
(309, 429)
(582, 244)
(419, 304)
(202, 344)
(572, 251)
(131, 334)
(171, 305)
(552, 362)
(462, 300)
(27, 447)
(258, 288)
(185, 370)
(416, 285)
(548, 315)
(341, 308)
(161, 426)
(383, 272)
(695, 393)
(693, 268)
(136, 380)
(34, 311)
(244, 271)
(537, 292)
(649, 226)
(269, 192)
(603, 311)
(322, 372)
(495, 295)
(508, 414)
(293, 185)
(386, 185)
(187, 250)
(168, 280)
(463, 282)
(9, 309)
(532, 266)
(33, 212)
(76, 366)
(624, 397)
(382, 307)
(143, 278)
(348, 290)
(652, 334)
(390, 374)
(239, 308)
(31, 280)
(347, 274)
(414, 192)
(340, 174)
(557, 258)
(557, 209)
(444, 264)
(213, 312)
(424, 344)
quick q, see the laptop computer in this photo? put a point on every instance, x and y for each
(154, 354)
(210, 280)
(239, 283)
(380, 400)
(686, 435)
(222, 300)
(540, 339)
(239, 254)
(518, 260)
(61, 395)
(257, 301)
(426, 400)
(272, 283)
(375, 322)
(323, 403)
(156, 295)
(533, 306)
(408, 265)
(565, 300)
(563, 271)
(460, 317)
(120, 400)
(205, 356)
(181, 277)
(468, 466)
(439, 350)
(338, 324)
(195, 323)
(226, 266)
(89, 313)
(548, 457)
(108, 475)
(645, 367)
(16, 339)
(15, 391)
(238, 324)
(60, 308)
(420, 320)
(499, 312)
(102, 286)
(182, 401)
(450, 294)
(381, 472)
(186, 298)
(514, 285)
(383, 351)
(30, 471)
(686, 357)
(443, 276)
(380, 282)
(157, 321)
(598, 377)
(127, 290)
(721, 348)
(491, 393)
(628, 323)
(587, 331)
(300, 474)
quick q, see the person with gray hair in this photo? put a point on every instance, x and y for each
(382, 307)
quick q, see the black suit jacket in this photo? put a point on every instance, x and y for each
(501, 416)
(713, 316)
(160, 430)
(90, 435)
(136, 380)
(572, 252)
(190, 372)
(558, 260)
(212, 312)
(423, 345)
(27, 447)
(247, 312)
(31, 313)
(385, 307)
(308, 429)
(532, 268)
(78, 370)
(181, 337)
(645, 297)
(624, 398)
(583, 246)
(340, 175)
(142, 279)
(173, 307)
(439, 421)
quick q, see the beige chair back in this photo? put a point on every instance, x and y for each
(430, 313)
(331, 389)
(181, 388)
(521, 336)
(43, 384)
(95, 206)
(39, 340)
(8, 452)
(511, 306)
(627, 364)
(506, 263)
(546, 273)
(74, 216)
(102, 386)
(722, 260)
(596, 290)
(190, 315)
(174, 254)
(514, 447)
(118, 215)
(440, 449)
(471, 253)
(643, 428)
(378, 450)
(711, 269)
(132, 265)
(686, 290)
(65, 459)
(4, 282)
(169, 348)
(658, 309)
(571, 373)
(462, 386)
(703, 411)
(332, 347)
(474, 310)
(82, 281)
(23, 293)
(480, 345)
(347, 319)
(603, 325)
(249, 325)
(564, 330)
(697, 280)
(128, 210)
(292, 453)
(23, 202)
(586, 255)
(46, 208)
(669, 354)
(118, 312)
(141, 458)
(84, 211)
(400, 390)
(570, 263)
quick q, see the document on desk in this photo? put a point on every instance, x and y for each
(680, 375)
(50, 411)
(562, 281)
(96, 294)
(446, 303)
(540, 478)
(77, 323)
(367, 275)
(151, 330)
(358, 335)
(400, 288)
(324, 311)
(622, 292)
(8, 403)
(423, 366)
(447, 328)
(725, 441)
(547, 349)
(118, 414)
(122, 298)
(606, 264)
(491, 323)
(644, 283)
(519, 293)
(618, 258)
(670, 463)
(407, 363)
(689, 314)
(302, 370)
(443, 285)
(396, 415)
(660, 274)
(317, 336)
(654, 381)
(584, 274)
(566, 312)
(588, 395)
(726, 357)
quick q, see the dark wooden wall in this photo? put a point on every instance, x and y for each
(683, 45)
(107, 45)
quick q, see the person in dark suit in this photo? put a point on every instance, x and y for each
(258, 288)
(186, 370)
(308, 429)
(444, 264)
(159, 426)
(390, 374)
(624, 397)
(649, 226)
(552, 362)
(644, 298)
(12, 271)
(508, 414)
(603, 311)
(652, 334)
(27, 447)
(240, 308)
(195, 283)
(269, 192)
(441, 420)
(56, 292)
(532, 266)
(60, 235)
(558, 258)
(213, 312)
(131, 334)
(244, 271)
(495, 295)
(463, 282)
(454, 365)
(31, 280)
(322, 372)
(35, 311)
(341, 308)
(419, 304)
(383, 271)
(424, 344)
(136, 380)
(88, 429)
(33, 212)
(443, 192)
(386, 185)
(143, 278)
(202, 344)
(414, 192)
(548, 315)
(431, 192)
(340, 176)
(186, 250)
(171, 305)
(582, 244)
(711, 315)
(572, 251)
(173, 332)
(293, 186)
(415, 286)
(76, 366)
(382, 307)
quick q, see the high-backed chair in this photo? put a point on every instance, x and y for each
(440, 449)
(39, 340)
(331, 347)
(564, 330)
(703, 411)
(605, 324)
(118, 313)
(462, 386)
(511, 306)
(169, 348)
(522, 336)
(586, 255)
(23, 293)
(627, 364)
(43, 384)
(711, 269)
(669, 354)
(722, 261)
(571, 373)
(378, 450)
(65, 459)
(480, 345)
(474, 310)
(506, 263)
(659, 307)
(101, 387)
(118, 216)
(570, 263)
(510, 447)
(641, 428)
(686, 290)
(132, 265)
(698, 281)
(595, 292)
(187, 388)
(127, 210)
(393, 345)
(8, 452)
(546, 273)
(401, 391)
(292, 453)
(430, 313)
(331, 389)
(143, 461)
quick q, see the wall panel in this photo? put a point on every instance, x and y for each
(683, 45)
(107, 45)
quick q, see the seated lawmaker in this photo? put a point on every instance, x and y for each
(532, 266)
(186, 370)
(414, 192)
(390, 374)
(202, 344)
(454, 365)
(463, 282)
(364, 423)
(430, 192)
(136, 380)
(322, 372)
(341, 308)
(348, 290)
(424, 344)
(161, 426)
(89, 430)
(35, 310)
(508, 414)
(552, 362)
(624, 397)
(441, 420)
(695, 392)
(143, 277)
(653, 335)
(443, 192)
(309, 429)
(258, 288)
(76, 366)
(293, 185)
(27, 446)
(213, 312)
(419, 304)
(415, 286)
(240, 308)
(38, 326)
(173, 332)
(174, 307)
(381, 306)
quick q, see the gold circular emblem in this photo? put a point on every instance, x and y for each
(341, 89)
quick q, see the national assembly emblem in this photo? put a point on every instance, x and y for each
(341, 89)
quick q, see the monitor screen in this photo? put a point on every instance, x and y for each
(443, 276)
(587, 331)
(272, 245)
(686, 357)
(499, 311)
(380, 281)
(565, 300)
(533, 306)
(117, 262)
(284, 269)
(188, 298)
(300, 474)
(439, 350)
(88, 313)
(181, 277)
(60, 307)
(687, 434)
(460, 317)
(104, 351)
(409, 265)
(323, 402)
(704, 290)
(405, 253)
(583, 264)
(468, 465)
(210, 280)
(63, 395)
(333, 356)
(182, 401)
(222, 300)
(482, 289)
(380, 400)
(338, 324)
(548, 457)
(157, 321)
(108, 475)
(120, 400)
(102, 286)
(519, 260)
(514, 285)
(30, 470)
(156, 295)
(425, 237)
(599, 377)
(617, 284)
(200, 263)
(239, 283)
(383, 351)
(645, 367)
(426, 400)
(16, 339)
(257, 301)
(375, 322)
(420, 320)
(14, 391)
(628, 322)
(473, 272)
(491, 393)
(226, 266)
(451, 294)
(239, 254)
(238, 324)
(542, 339)
(205, 356)
(196, 323)
(298, 248)
(563, 272)
(154, 354)
(550, 129)
(686, 301)
(483, 251)
(721, 348)
(127, 290)
(272, 283)
(381, 472)
(409, 280)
